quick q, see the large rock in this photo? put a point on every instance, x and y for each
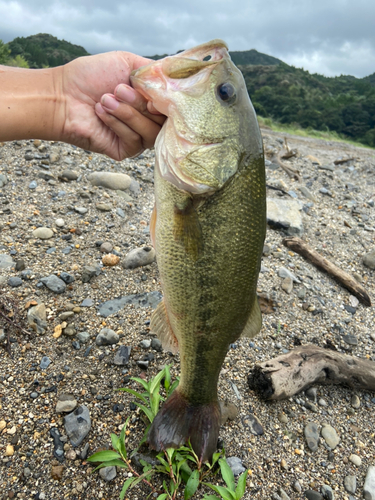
(110, 180)
(53, 283)
(286, 215)
(78, 425)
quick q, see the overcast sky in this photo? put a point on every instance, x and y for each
(330, 37)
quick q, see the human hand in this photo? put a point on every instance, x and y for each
(119, 125)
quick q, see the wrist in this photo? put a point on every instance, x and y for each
(31, 104)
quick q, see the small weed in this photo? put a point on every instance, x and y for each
(181, 468)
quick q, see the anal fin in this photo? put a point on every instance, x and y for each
(254, 322)
(161, 325)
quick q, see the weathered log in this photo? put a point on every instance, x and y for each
(302, 248)
(289, 374)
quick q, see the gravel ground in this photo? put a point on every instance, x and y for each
(47, 185)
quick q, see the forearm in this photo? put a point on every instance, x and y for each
(31, 104)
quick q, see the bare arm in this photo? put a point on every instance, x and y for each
(88, 102)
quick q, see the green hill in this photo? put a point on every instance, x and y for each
(45, 50)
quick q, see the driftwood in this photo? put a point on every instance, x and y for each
(344, 160)
(299, 246)
(290, 373)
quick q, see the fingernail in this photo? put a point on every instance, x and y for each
(99, 108)
(110, 102)
(125, 93)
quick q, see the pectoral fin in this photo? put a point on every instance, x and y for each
(187, 230)
(161, 326)
(152, 226)
(254, 323)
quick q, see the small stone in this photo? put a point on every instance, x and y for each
(283, 494)
(311, 393)
(297, 486)
(156, 344)
(69, 331)
(68, 278)
(3, 424)
(37, 318)
(104, 207)
(369, 486)
(9, 450)
(313, 495)
(145, 343)
(110, 259)
(83, 337)
(110, 180)
(122, 356)
(283, 272)
(107, 336)
(282, 418)
(285, 215)
(53, 283)
(350, 339)
(330, 436)
(6, 261)
(253, 424)
(69, 175)
(107, 473)
(229, 411)
(236, 465)
(81, 210)
(44, 364)
(369, 259)
(139, 257)
(287, 285)
(311, 435)
(71, 455)
(87, 303)
(355, 401)
(120, 212)
(57, 472)
(350, 484)
(43, 233)
(355, 459)
(106, 247)
(60, 222)
(58, 445)
(327, 492)
(20, 265)
(88, 272)
(65, 315)
(143, 364)
(14, 282)
(78, 425)
(66, 403)
(33, 185)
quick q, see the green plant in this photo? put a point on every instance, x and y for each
(173, 465)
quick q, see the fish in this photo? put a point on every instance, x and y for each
(208, 228)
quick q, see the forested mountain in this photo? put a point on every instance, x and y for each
(289, 95)
(45, 50)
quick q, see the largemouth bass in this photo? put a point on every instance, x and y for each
(208, 228)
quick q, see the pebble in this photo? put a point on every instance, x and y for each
(107, 473)
(229, 411)
(110, 180)
(369, 486)
(287, 285)
(53, 283)
(146, 344)
(43, 233)
(9, 450)
(78, 425)
(285, 273)
(66, 403)
(253, 424)
(235, 464)
(37, 318)
(156, 345)
(355, 401)
(330, 436)
(313, 495)
(60, 222)
(15, 282)
(355, 459)
(149, 299)
(369, 259)
(6, 261)
(88, 272)
(327, 492)
(283, 494)
(33, 185)
(312, 393)
(122, 356)
(110, 259)
(106, 247)
(104, 207)
(286, 215)
(83, 337)
(81, 210)
(139, 257)
(57, 472)
(45, 362)
(87, 303)
(65, 315)
(58, 445)
(107, 336)
(3, 180)
(350, 484)
(350, 339)
(69, 175)
(312, 435)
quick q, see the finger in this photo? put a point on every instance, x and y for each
(129, 142)
(127, 94)
(133, 119)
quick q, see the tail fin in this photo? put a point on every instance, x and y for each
(178, 421)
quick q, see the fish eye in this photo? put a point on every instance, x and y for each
(207, 58)
(226, 92)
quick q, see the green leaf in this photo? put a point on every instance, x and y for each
(112, 463)
(103, 456)
(163, 496)
(145, 384)
(167, 381)
(191, 485)
(136, 394)
(215, 457)
(223, 492)
(211, 497)
(126, 486)
(146, 411)
(155, 401)
(227, 474)
(115, 442)
(241, 485)
(173, 386)
(122, 449)
(155, 382)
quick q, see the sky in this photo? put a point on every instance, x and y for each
(330, 37)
